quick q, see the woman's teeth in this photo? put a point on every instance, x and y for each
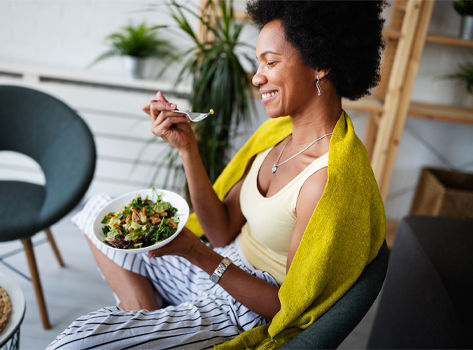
(269, 94)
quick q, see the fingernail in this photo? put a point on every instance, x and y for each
(172, 105)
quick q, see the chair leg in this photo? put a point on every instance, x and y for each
(28, 246)
(52, 242)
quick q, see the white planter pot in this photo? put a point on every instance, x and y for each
(134, 67)
(466, 29)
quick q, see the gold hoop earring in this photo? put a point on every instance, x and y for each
(317, 85)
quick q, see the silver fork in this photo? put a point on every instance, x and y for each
(195, 116)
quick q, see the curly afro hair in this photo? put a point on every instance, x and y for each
(342, 37)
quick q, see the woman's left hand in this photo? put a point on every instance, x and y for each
(183, 245)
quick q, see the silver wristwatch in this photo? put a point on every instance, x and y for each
(215, 277)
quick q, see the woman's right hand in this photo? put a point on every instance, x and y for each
(174, 128)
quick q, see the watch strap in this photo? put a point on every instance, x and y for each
(221, 268)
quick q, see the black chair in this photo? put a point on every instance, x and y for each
(47, 130)
(427, 299)
(330, 329)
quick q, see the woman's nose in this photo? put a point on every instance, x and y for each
(258, 79)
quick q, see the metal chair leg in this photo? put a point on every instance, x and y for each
(43, 312)
(52, 242)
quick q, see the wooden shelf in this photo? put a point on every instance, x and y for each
(390, 33)
(441, 112)
(426, 110)
(449, 40)
(366, 104)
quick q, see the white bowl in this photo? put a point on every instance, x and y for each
(115, 205)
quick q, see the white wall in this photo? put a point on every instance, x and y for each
(70, 34)
(67, 35)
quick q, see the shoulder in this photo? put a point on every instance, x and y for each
(311, 191)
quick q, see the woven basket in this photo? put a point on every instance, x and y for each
(442, 192)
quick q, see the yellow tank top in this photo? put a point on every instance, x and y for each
(264, 238)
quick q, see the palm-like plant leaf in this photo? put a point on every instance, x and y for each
(219, 80)
(464, 74)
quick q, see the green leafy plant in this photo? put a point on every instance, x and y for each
(464, 7)
(464, 74)
(140, 41)
(219, 80)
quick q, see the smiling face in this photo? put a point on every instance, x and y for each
(286, 84)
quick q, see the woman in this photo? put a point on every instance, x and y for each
(296, 209)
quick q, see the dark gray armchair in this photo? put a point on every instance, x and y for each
(427, 299)
(329, 330)
(44, 128)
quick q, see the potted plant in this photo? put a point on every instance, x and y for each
(135, 44)
(219, 80)
(465, 9)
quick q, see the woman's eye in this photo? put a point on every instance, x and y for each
(271, 63)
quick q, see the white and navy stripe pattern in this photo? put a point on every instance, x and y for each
(200, 313)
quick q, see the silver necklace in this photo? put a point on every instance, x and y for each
(277, 165)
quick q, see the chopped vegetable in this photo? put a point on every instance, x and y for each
(140, 224)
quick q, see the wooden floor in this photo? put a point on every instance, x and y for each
(78, 288)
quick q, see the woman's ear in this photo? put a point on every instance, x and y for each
(320, 73)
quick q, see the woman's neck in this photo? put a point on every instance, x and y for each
(317, 119)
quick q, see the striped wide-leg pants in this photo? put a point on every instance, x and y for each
(200, 313)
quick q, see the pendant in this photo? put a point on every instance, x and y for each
(274, 168)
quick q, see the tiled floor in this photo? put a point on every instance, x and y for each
(78, 288)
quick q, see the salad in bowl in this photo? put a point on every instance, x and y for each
(142, 220)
